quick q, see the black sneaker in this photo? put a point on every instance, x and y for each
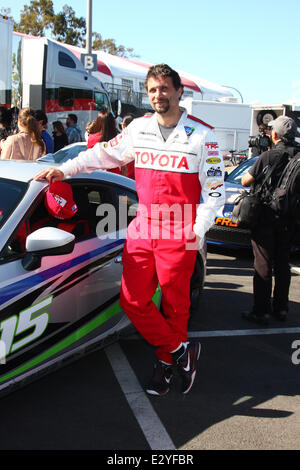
(254, 318)
(187, 364)
(160, 382)
(280, 315)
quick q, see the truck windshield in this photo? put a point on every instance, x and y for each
(11, 193)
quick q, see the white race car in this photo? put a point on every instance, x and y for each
(60, 279)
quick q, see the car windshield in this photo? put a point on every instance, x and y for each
(236, 175)
(11, 192)
(68, 153)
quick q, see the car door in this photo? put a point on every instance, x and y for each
(70, 298)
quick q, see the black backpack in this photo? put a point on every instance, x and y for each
(285, 198)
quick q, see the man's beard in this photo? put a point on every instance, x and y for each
(163, 107)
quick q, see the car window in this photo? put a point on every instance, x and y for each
(126, 203)
(68, 153)
(83, 224)
(94, 201)
(236, 175)
(11, 193)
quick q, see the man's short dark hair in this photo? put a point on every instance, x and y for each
(127, 119)
(5, 116)
(73, 117)
(41, 116)
(164, 70)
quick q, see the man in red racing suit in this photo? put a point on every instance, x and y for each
(177, 163)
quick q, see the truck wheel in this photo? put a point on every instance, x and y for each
(265, 116)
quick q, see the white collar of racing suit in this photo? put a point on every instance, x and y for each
(179, 132)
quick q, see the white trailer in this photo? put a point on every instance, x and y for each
(43, 74)
(125, 80)
(6, 29)
(231, 122)
(263, 114)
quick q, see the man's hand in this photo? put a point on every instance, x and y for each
(50, 174)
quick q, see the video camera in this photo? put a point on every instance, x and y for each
(260, 141)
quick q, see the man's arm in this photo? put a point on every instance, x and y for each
(103, 156)
(211, 176)
(247, 179)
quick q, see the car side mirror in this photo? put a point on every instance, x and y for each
(46, 241)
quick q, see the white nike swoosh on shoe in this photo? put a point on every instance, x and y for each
(188, 366)
(168, 380)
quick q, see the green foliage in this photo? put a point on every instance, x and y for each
(109, 45)
(39, 19)
(36, 18)
(69, 29)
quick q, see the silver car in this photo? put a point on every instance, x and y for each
(60, 279)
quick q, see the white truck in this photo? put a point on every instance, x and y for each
(53, 79)
(6, 30)
(43, 74)
(263, 114)
(231, 122)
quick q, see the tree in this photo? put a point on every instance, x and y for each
(39, 19)
(69, 29)
(109, 45)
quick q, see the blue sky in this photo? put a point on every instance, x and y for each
(252, 46)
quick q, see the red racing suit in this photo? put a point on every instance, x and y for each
(180, 187)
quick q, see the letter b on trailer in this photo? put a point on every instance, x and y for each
(89, 62)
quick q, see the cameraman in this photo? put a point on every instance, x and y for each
(271, 238)
(260, 143)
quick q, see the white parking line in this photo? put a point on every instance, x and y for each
(153, 429)
(220, 333)
(247, 332)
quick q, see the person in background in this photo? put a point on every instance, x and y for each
(42, 120)
(27, 144)
(128, 170)
(73, 131)
(15, 113)
(5, 122)
(59, 136)
(260, 143)
(88, 130)
(271, 238)
(102, 130)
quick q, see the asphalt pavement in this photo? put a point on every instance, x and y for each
(246, 394)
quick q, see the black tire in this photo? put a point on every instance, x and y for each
(197, 282)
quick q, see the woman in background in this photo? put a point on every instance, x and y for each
(102, 130)
(27, 144)
(59, 136)
(128, 170)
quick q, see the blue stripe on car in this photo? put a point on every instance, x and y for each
(17, 288)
